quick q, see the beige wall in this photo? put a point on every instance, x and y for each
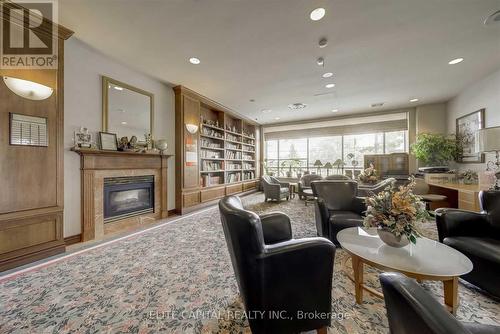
(483, 94)
(83, 69)
(431, 118)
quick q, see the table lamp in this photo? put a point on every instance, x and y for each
(488, 140)
(318, 165)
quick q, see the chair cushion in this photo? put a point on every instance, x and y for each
(484, 248)
(284, 190)
(346, 219)
(433, 198)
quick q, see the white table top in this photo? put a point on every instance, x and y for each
(427, 257)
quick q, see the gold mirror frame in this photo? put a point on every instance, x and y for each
(106, 81)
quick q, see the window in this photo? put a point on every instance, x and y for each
(289, 157)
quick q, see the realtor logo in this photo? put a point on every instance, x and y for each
(28, 35)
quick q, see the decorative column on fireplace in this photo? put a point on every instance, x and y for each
(128, 196)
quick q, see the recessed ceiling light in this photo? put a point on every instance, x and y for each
(252, 100)
(276, 118)
(297, 106)
(414, 100)
(124, 123)
(266, 111)
(327, 74)
(317, 14)
(330, 85)
(455, 61)
(118, 88)
(335, 110)
(194, 61)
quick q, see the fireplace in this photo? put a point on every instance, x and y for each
(128, 196)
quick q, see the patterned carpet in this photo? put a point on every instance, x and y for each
(178, 279)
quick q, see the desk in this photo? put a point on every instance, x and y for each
(461, 196)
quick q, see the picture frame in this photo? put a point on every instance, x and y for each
(466, 128)
(108, 141)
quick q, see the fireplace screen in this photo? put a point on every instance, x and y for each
(128, 196)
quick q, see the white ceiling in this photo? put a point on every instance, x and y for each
(379, 51)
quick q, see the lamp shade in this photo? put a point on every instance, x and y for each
(318, 163)
(328, 165)
(192, 128)
(28, 89)
(488, 140)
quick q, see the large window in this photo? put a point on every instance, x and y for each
(289, 157)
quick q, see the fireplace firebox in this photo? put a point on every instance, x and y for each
(128, 196)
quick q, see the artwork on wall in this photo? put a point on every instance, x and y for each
(466, 128)
(108, 141)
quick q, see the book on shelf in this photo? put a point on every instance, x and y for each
(247, 165)
(233, 146)
(248, 175)
(210, 180)
(233, 177)
(232, 166)
(209, 144)
(210, 154)
(208, 166)
(233, 155)
(247, 156)
(211, 132)
(232, 137)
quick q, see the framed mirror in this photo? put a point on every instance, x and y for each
(126, 110)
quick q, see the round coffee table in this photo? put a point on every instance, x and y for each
(427, 260)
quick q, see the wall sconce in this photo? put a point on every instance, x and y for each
(192, 128)
(28, 89)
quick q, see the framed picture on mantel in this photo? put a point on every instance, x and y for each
(108, 141)
(467, 126)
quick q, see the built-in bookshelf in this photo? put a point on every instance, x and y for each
(226, 146)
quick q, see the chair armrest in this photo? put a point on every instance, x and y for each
(359, 205)
(276, 227)
(298, 265)
(285, 184)
(454, 222)
(322, 216)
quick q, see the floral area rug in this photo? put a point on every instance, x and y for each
(178, 278)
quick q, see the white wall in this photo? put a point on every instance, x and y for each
(83, 107)
(483, 94)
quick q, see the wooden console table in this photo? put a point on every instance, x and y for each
(461, 196)
(97, 165)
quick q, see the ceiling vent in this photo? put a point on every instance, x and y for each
(375, 105)
(296, 106)
(493, 18)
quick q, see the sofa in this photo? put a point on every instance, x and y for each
(477, 235)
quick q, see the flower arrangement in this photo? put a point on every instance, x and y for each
(396, 210)
(369, 175)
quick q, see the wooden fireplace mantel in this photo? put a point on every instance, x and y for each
(95, 165)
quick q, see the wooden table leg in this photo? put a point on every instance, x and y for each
(451, 294)
(357, 267)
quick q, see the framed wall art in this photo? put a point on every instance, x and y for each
(466, 128)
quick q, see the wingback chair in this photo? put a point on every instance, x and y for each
(337, 207)
(277, 273)
(412, 310)
(305, 183)
(274, 189)
(477, 235)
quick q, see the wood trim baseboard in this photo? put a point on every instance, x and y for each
(74, 239)
(28, 258)
(172, 212)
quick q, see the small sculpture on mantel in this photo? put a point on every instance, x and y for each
(123, 144)
(149, 141)
(132, 144)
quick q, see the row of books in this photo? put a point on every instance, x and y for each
(233, 146)
(248, 141)
(230, 166)
(247, 165)
(207, 166)
(211, 154)
(248, 134)
(233, 177)
(233, 155)
(248, 175)
(247, 156)
(248, 148)
(232, 137)
(208, 143)
(211, 180)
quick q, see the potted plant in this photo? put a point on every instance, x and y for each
(395, 213)
(435, 149)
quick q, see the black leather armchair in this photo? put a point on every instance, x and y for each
(274, 189)
(337, 207)
(411, 310)
(277, 273)
(477, 235)
(305, 183)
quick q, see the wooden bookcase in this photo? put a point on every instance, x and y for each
(219, 159)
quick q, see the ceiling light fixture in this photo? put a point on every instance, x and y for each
(277, 118)
(266, 111)
(330, 85)
(320, 61)
(335, 110)
(192, 128)
(493, 18)
(317, 14)
(414, 100)
(327, 74)
(118, 88)
(124, 123)
(297, 106)
(455, 61)
(194, 61)
(323, 42)
(28, 89)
